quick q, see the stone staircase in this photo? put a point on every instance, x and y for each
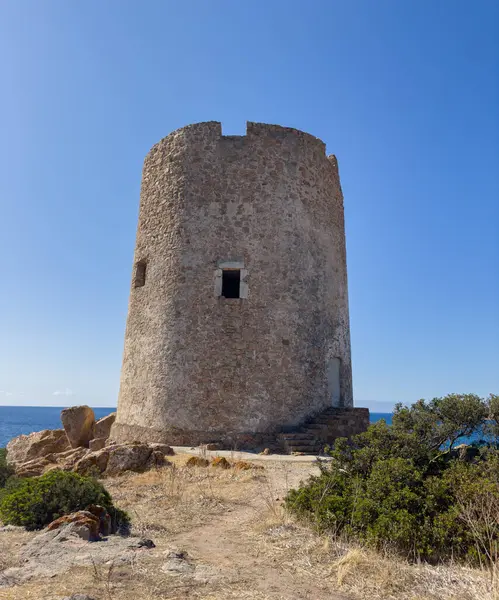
(323, 429)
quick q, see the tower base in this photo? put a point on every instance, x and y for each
(311, 437)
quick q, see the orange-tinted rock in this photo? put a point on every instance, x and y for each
(105, 527)
(78, 422)
(221, 462)
(243, 465)
(85, 521)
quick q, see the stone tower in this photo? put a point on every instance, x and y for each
(238, 324)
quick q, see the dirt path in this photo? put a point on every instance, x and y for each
(227, 544)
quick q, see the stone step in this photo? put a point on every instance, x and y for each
(308, 443)
(297, 436)
(301, 445)
(306, 449)
(312, 427)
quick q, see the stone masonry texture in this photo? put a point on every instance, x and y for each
(199, 367)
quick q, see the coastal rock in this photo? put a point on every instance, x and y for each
(103, 426)
(156, 460)
(93, 462)
(90, 524)
(32, 468)
(78, 422)
(116, 459)
(53, 552)
(105, 522)
(96, 444)
(38, 444)
(85, 525)
(67, 460)
(127, 457)
(163, 448)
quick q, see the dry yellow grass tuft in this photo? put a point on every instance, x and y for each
(197, 461)
(368, 574)
(244, 465)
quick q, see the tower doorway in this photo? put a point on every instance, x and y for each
(333, 381)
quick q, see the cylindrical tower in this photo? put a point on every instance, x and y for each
(238, 315)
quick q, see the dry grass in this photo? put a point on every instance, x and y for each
(172, 500)
(244, 545)
(364, 574)
(369, 575)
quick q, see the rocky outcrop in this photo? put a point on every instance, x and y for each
(128, 457)
(63, 548)
(82, 446)
(36, 445)
(78, 422)
(93, 462)
(103, 426)
(97, 444)
(84, 524)
(118, 458)
(91, 524)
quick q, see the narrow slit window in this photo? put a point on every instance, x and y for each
(231, 281)
(140, 274)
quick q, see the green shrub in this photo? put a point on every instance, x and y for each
(404, 486)
(6, 470)
(34, 502)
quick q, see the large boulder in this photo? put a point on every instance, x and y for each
(163, 448)
(78, 422)
(103, 426)
(85, 525)
(118, 458)
(36, 445)
(128, 457)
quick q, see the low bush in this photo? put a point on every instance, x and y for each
(407, 487)
(6, 470)
(34, 502)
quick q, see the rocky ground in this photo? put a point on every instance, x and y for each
(218, 534)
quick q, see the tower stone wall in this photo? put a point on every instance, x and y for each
(199, 366)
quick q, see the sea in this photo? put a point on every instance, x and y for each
(17, 420)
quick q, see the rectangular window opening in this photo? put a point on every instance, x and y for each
(231, 280)
(140, 274)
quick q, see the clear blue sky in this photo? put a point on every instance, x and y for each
(405, 93)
